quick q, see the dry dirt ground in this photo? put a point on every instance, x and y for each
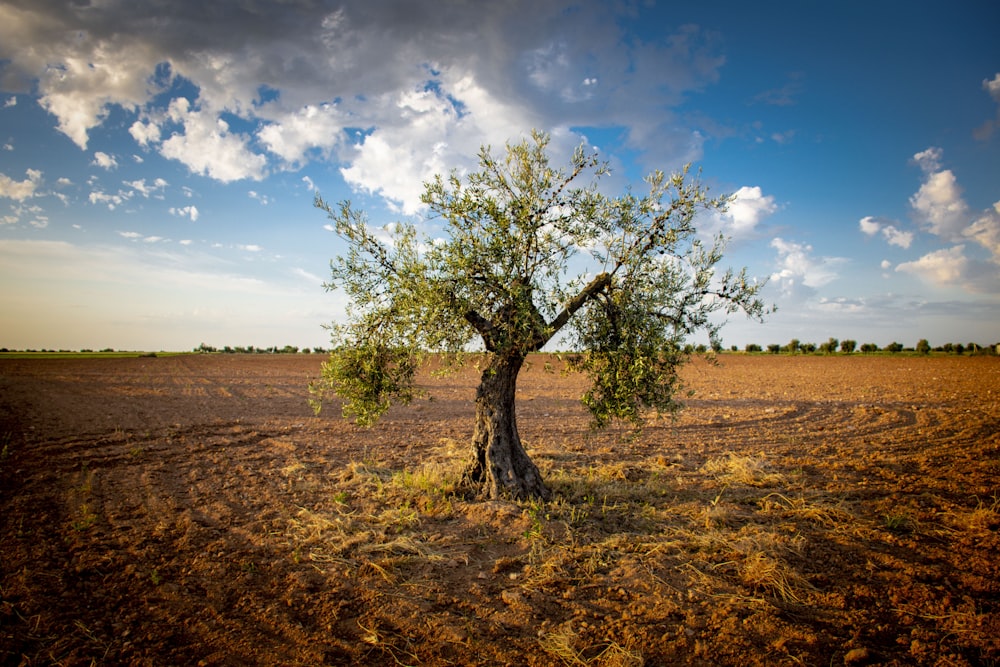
(802, 511)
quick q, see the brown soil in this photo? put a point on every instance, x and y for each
(802, 511)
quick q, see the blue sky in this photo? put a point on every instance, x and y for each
(158, 160)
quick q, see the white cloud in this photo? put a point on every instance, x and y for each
(313, 127)
(871, 225)
(951, 267)
(104, 161)
(992, 86)
(749, 207)
(145, 132)
(112, 201)
(939, 204)
(20, 190)
(943, 267)
(985, 231)
(310, 186)
(250, 248)
(799, 272)
(929, 160)
(208, 148)
(10, 102)
(145, 189)
(186, 212)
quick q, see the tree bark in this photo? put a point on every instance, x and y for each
(500, 467)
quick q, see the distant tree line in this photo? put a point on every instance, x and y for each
(794, 346)
(250, 349)
(848, 346)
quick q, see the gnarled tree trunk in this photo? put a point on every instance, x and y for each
(500, 466)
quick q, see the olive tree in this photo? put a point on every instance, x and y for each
(525, 252)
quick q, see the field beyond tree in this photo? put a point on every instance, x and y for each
(802, 510)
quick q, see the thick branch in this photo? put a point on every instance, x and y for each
(483, 326)
(595, 286)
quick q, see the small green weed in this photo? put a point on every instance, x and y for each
(898, 523)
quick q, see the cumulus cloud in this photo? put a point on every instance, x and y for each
(208, 148)
(872, 225)
(940, 206)
(943, 267)
(145, 132)
(20, 190)
(291, 136)
(985, 231)
(104, 161)
(799, 272)
(750, 207)
(271, 86)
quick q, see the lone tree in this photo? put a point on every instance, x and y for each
(527, 252)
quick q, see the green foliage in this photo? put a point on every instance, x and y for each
(923, 347)
(369, 379)
(526, 252)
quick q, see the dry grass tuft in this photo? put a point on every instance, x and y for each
(985, 516)
(561, 644)
(761, 571)
(742, 470)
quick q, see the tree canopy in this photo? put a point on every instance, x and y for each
(507, 259)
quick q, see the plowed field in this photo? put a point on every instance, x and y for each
(801, 511)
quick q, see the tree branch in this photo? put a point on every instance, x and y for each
(576, 303)
(483, 326)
